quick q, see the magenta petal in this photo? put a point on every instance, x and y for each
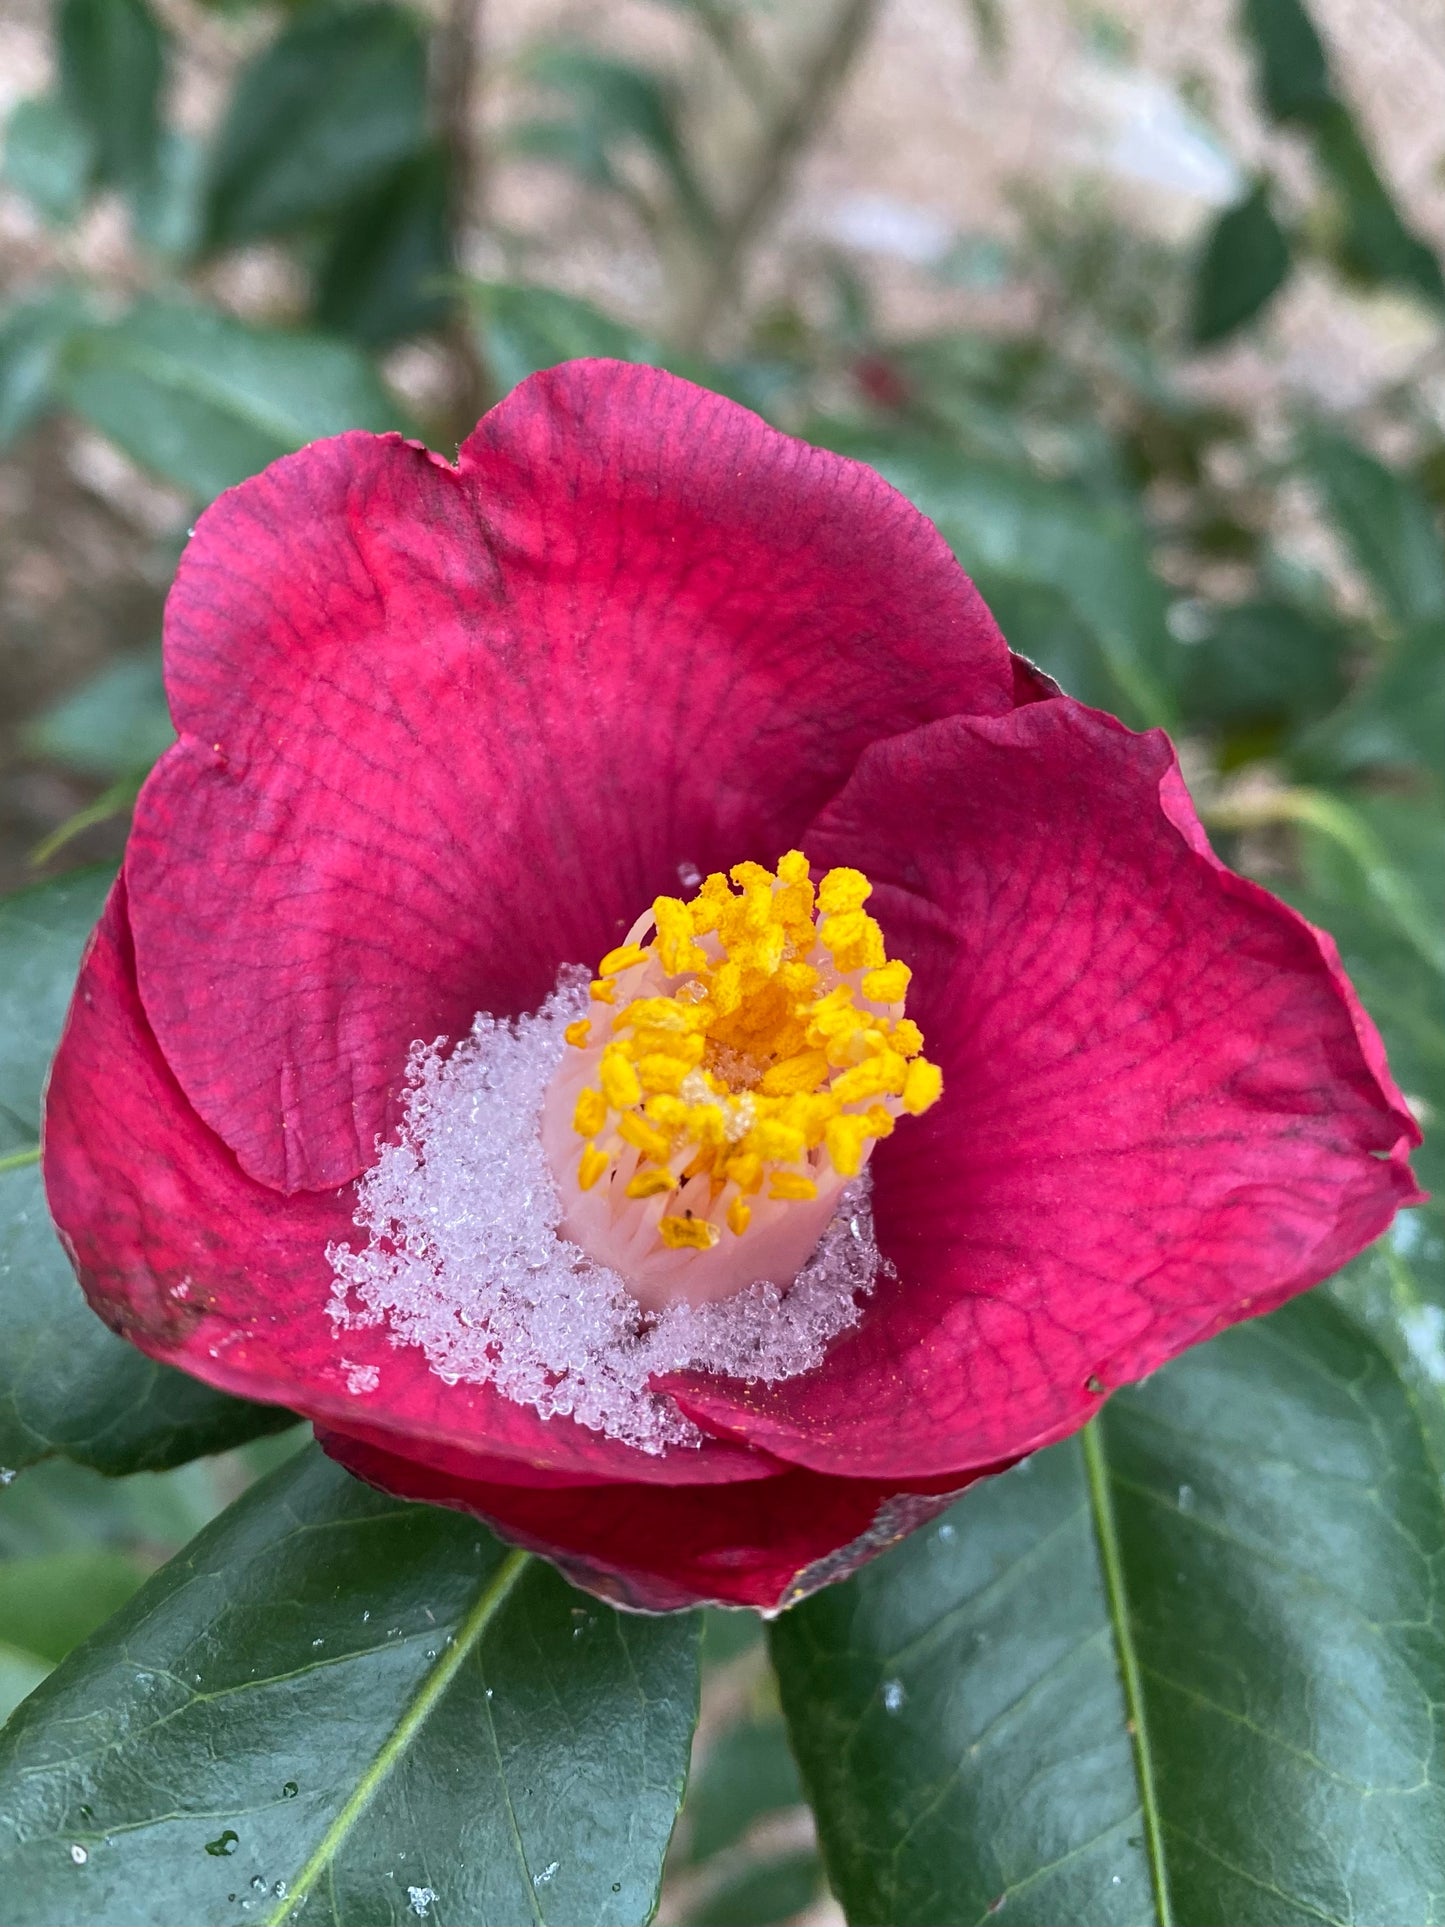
(197, 1264)
(1164, 1109)
(764, 1544)
(444, 729)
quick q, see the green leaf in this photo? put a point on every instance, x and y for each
(1294, 75)
(1371, 877)
(1374, 244)
(1262, 663)
(318, 118)
(115, 725)
(112, 64)
(335, 1706)
(1396, 1290)
(49, 158)
(617, 104)
(1187, 1667)
(390, 253)
(64, 1508)
(33, 339)
(48, 1605)
(168, 207)
(1007, 525)
(1394, 718)
(206, 401)
(43, 931)
(743, 1852)
(525, 328)
(67, 1384)
(1387, 521)
(1244, 263)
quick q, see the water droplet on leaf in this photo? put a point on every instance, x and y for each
(226, 1843)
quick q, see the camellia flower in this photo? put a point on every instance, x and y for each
(632, 1011)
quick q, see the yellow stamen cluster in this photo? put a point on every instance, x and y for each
(781, 1039)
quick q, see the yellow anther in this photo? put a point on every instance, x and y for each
(775, 1141)
(637, 1132)
(888, 984)
(684, 1234)
(805, 1072)
(853, 940)
(746, 1172)
(619, 1080)
(622, 958)
(590, 1166)
(922, 1087)
(907, 1037)
(788, 1184)
(845, 1138)
(883, 1075)
(658, 1074)
(676, 949)
(750, 1051)
(843, 890)
(651, 1183)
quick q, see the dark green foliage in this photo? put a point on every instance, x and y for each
(112, 65)
(320, 117)
(1388, 523)
(513, 1751)
(1190, 1668)
(66, 1383)
(206, 401)
(116, 725)
(1294, 75)
(1264, 663)
(616, 105)
(1245, 262)
(1373, 243)
(33, 338)
(384, 273)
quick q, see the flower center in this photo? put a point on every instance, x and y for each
(747, 1050)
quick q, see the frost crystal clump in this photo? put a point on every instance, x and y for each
(464, 1256)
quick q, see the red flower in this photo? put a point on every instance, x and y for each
(445, 729)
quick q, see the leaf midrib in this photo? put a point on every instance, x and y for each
(1106, 1532)
(433, 1686)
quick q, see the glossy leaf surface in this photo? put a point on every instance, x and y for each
(1190, 1667)
(336, 1707)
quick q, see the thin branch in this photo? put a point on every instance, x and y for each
(784, 137)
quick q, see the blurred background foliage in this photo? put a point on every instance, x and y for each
(1130, 303)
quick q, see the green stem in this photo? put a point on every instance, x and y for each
(1106, 1531)
(405, 1731)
